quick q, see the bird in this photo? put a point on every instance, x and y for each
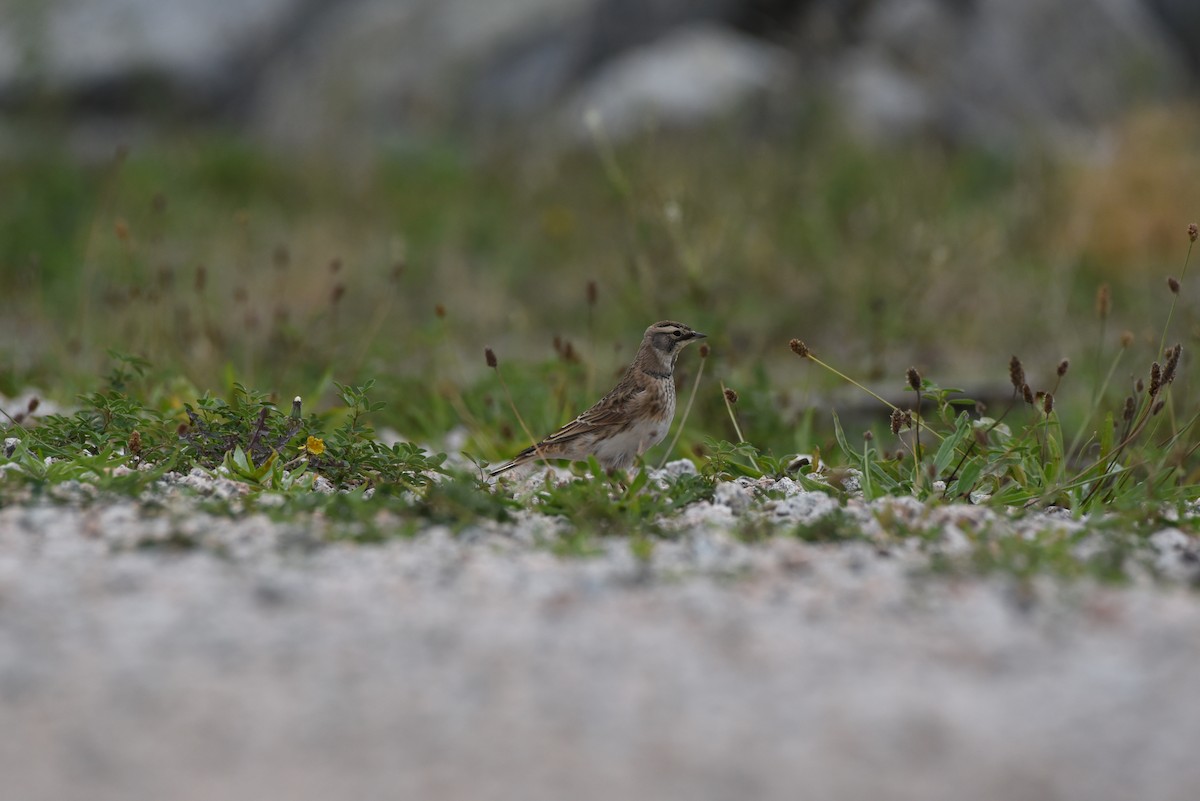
(630, 419)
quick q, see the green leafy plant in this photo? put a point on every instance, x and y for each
(1026, 462)
(605, 505)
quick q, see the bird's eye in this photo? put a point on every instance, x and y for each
(677, 333)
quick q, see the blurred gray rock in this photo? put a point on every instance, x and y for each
(99, 52)
(693, 74)
(344, 75)
(1181, 21)
(999, 71)
(389, 68)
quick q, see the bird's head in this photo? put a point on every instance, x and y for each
(668, 338)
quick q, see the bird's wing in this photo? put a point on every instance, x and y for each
(610, 411)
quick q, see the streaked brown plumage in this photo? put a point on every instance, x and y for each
(630, 419)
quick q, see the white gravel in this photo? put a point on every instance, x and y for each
(270, 663)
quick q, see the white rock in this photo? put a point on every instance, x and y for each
(703, 515)
(805, 507)
(693, 73)
(994, 71)
(734, 495)
(786, 486)
(680, 467)
(1177, 554)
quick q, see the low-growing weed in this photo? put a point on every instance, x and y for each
(122, 445)
(607, 506)
(1141, 453)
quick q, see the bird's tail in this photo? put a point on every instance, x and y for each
(504, 468)
(518, 460)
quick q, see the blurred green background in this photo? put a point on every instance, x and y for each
(221, 257)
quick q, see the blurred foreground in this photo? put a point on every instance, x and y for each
(267, 662)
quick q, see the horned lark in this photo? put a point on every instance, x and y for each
(630, 419)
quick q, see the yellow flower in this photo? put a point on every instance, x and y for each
(314, 446)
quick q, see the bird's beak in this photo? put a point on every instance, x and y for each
(698, 335)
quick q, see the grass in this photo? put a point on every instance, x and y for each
(222, 268)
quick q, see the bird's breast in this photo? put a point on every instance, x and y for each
(659, 403)
(646, 426)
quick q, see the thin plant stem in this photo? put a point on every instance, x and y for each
(1078, 438)
(854, 383)
(917, 435)
(868, 485)
(1162, 342)
(512, 405)
(1134, 430)
(1098, 390)
(975, 440)
(591, 295)
(732, 417)
(851, 381)
(736, 428)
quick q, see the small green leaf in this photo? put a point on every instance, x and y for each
(640, 480)
(967, 478)
(840, 435)
(946, 451)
